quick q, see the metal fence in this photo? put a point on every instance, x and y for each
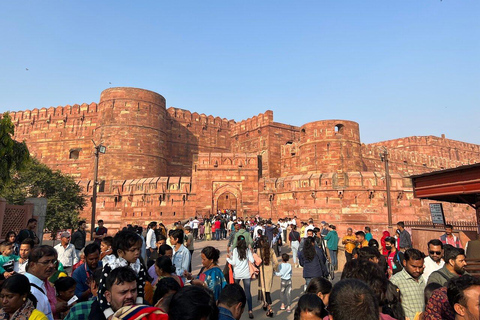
(457, 225)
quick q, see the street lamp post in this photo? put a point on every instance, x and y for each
(98, 149)
(384, 157)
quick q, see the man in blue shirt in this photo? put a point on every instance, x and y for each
(181, 255)
(231, 303)
(84, 272)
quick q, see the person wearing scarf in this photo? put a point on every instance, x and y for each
(143, 312)
(17, 301)
(386, 234)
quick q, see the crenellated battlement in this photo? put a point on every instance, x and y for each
(427, 151)
(202, 119)
(420, 141)
(316, 182)
(53, 113)
(154, 185)
(253, 123)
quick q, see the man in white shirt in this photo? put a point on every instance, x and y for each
(294, 220)
(66, 252)
(255, 230)
(229, 227)
(151, 241)
(194, 226)
(309, 227)
(42, 265)
(284, 224)
(25, 248)
(434, 260)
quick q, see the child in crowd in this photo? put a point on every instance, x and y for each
(285, 273)
(161, 240)
(106, 247)
(7, 260)
(81, 260)
(65, 288)
(12, 237)
(126, 249)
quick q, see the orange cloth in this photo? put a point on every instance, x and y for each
(148, 293)
(349, 246)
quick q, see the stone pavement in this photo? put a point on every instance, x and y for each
(297, 281)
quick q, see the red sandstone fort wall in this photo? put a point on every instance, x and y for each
(252, 136)
(261, 135)
(323, 146)
(353, 199)
(132, 126)
(52, 134)
(139, 201)
(436, 146)
(233, 173)
(192, 133)
(415, 161)
(203, 163)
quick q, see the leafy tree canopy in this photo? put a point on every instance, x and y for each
(65, 198)
(13, 154)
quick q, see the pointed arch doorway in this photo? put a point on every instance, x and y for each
(227, 201)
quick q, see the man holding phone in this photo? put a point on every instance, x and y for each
(349, 242)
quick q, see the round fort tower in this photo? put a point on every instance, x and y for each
(330, 146)
(131, 124)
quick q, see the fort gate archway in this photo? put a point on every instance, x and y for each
(227, 196)
(227, 201)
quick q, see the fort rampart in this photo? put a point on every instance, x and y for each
(170, 164)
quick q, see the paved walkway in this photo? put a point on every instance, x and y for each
(297, 281)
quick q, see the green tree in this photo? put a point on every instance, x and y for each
(13, 154)
(64, 196)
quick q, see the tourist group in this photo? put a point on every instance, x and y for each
(147, 274)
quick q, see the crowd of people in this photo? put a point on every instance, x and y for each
(147, 274)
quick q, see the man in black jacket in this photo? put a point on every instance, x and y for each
(79, 238)
(29, 232)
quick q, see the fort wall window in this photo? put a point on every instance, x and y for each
(74, 154)
(101, 186)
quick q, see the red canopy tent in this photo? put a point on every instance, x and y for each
(459, 185)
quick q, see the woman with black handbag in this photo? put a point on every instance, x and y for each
(313, 260)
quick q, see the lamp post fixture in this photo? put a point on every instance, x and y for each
(384, 157)
(98, 149)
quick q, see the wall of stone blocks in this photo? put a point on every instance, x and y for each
(356, 200)
(192, 133)
(51, 134)
(171, 164)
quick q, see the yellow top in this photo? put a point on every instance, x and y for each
(302, 232)
(37, 315)
(349, 246)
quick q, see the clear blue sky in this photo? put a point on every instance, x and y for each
(399, 68)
